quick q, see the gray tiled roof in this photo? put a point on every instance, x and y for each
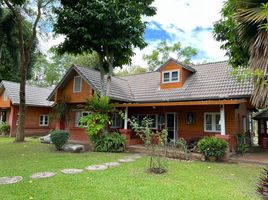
(210, 81)
(261, 115)
(35, 96)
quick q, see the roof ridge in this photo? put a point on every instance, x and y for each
(27, 84)
(137, 74)
(208, 63)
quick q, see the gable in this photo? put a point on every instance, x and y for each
(66, 92)
(4, 99)
(173, 68)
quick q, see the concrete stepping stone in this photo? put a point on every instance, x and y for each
(97, 167)
(126, 160)
(72, 171)
(135, 156)
(40, 175)
(112, 164)
(10, 180)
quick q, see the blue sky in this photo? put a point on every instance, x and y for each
(187, 21)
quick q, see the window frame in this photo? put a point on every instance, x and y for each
(5, 96)
(76, 122)
(74, 84)
(116, 116)
(170, 76)
(213, 122)
(43, 120)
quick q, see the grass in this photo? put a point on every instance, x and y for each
(184, 180)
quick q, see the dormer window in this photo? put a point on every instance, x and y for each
(171, 76)
(77, 84)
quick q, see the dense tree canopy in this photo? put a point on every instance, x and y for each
(112, 28)
(225, 31)
(48, 72)
(164, 51)
(243, 30)
(9, 47)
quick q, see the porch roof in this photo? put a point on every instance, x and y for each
(185, 103)
(261, 115)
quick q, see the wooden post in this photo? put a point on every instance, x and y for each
(126, 118)
(222, 113)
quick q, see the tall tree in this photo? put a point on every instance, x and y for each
(112, 28)
(34, 9)
(164, 51)
(9, 46)
(48, 72)
(244, 31)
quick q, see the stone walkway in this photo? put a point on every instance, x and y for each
(41, 175)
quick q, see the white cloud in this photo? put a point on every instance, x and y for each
(48, 41)
(186, 15)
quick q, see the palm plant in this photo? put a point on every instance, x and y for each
(252, 28)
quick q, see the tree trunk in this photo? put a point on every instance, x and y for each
(110, 59)
(20, 135)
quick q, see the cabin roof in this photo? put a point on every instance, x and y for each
(35, 96)
(210, 81)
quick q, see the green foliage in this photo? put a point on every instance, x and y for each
(4, 128)
(262, 185)
(163, 52)
(59, 138)
(9, 47)
(111, 28)
(97, 121)
(154, 141)
(242, 143)
(212, 147)
(59, 111)
(131, 70)
(225, 31)
(100, 104)
(113, 142)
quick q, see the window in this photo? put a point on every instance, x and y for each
(171, 76)
(150, 116)
(78, 116)
(77, 84)
(212, 122)
(43, 120)
(5, 96)
(116, 121)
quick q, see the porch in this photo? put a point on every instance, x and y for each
(191, 120)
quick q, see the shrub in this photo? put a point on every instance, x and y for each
(262, 185)
(242, 144)
(59, 138)
(212, 147)
(113, 142)
(4, 128)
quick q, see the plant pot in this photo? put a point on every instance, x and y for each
(212, 158)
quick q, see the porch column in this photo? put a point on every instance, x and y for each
(222, 113)
(126, 118)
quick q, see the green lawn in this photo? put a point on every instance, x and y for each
(184, 180)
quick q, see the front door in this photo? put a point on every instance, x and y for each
(172, 125)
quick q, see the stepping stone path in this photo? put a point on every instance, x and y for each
(72, 171)
(112, 164)
(126, 160)
(96, 167)
(10, 180)
(42, 175)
